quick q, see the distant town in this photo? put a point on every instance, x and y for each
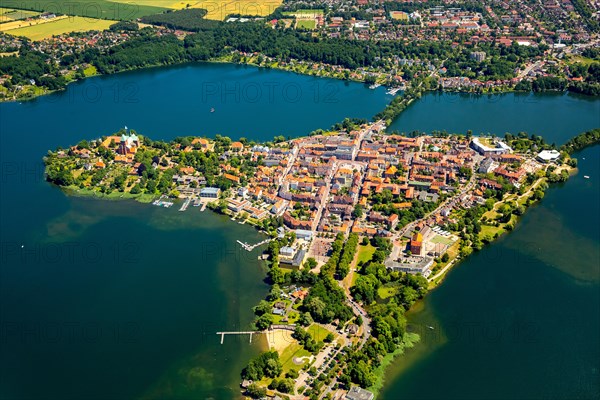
(492, 46)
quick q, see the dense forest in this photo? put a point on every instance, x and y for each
(189, 19)
(582, 141)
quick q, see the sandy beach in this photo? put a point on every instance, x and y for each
(279, 339)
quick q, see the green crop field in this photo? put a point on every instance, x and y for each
(60, 26)
(101, 9)
(10, 14)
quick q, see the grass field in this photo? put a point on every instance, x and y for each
(60, 26)
(487, 230)
(442, 239)
(319, 333)
(9, 14)
(386, 292)
(306, 24)
(308, 13)
(288, 355)
(102, 9)
(365, 252)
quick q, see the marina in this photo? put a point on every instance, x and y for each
(394, 91)
(162, 203)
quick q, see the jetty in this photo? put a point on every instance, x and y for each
(393, 91)
(186, 204)
(248, 247)
(239, 333)
(162, 203)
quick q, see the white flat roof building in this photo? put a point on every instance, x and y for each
(548, 155)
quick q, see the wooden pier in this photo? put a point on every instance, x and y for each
(186, 204)
(248, 247)
(238, 333)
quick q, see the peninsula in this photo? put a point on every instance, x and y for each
(361, 223)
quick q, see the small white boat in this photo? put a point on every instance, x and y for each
(431, 327)
(586, 177)
(212, 110)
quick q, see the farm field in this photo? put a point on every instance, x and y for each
(217, 9)
(61, 25)
(102, 9)
(220, 9)
(14, 25)
(10, 14)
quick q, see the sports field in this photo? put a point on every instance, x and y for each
(59, 26)
(305, 14)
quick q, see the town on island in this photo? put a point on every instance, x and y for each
(360, 224)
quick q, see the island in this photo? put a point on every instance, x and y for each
(359, 224)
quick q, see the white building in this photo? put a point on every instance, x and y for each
(500, 148)
(548, 156)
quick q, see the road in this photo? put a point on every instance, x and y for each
(528, 69)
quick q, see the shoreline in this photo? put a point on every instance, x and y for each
(226, 60)
(544, 174)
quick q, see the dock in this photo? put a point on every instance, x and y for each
(239, 333)
(186, 204)
(161, 202)
(248, 247)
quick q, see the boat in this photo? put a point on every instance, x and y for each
(212, 110)
(374, 86)
(431, 327)
(586, 177)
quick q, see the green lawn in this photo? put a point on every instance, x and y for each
(365, 252)
(306, 24)
(318, 332)
(292, 351)
(314, 12)
(490, 230)
(442, 239)
(386, 292)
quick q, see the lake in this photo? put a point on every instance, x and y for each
(554, 116)
(120, 300)
(107, 300)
